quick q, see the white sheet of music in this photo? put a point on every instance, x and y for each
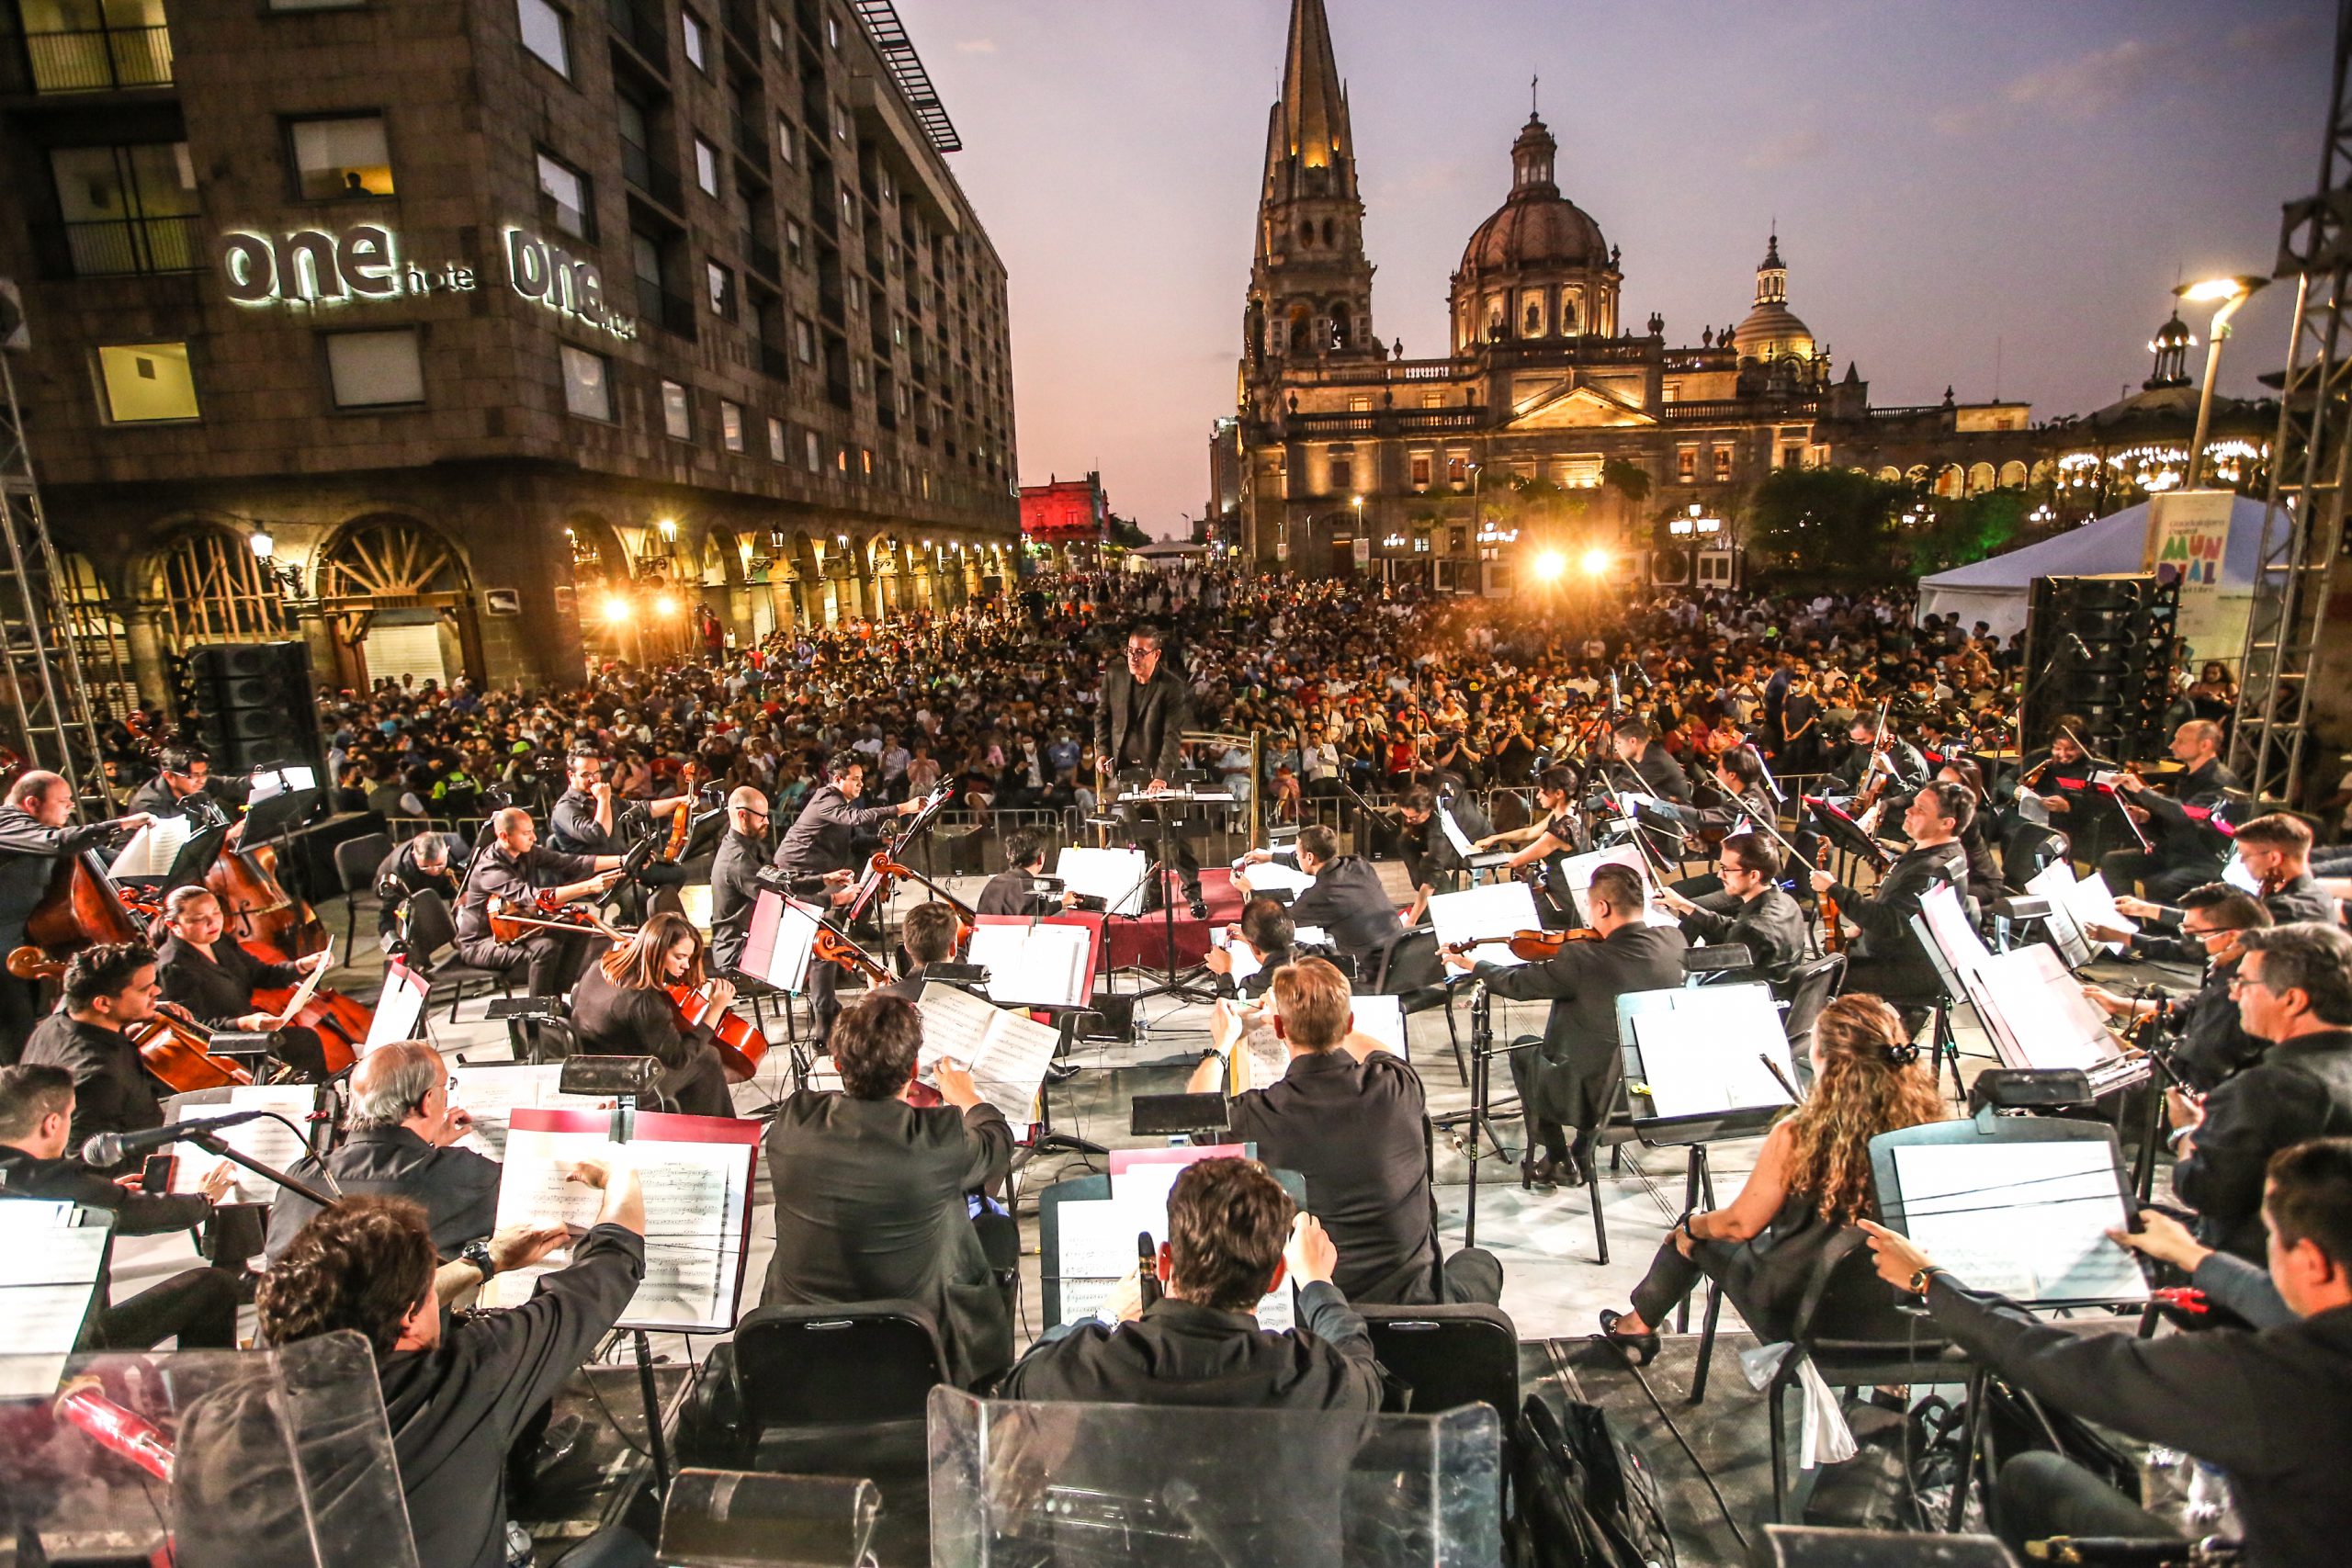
(153, 848)
(1098, 1245)
(1454, 835)
(1947, 924)
(399, 1009)
(1489, 916)
(1039, 966)
(1116, 876)
(1704, 1051)
(694, 1200)
(1383, 1018)
(1579, 869)
(1006, 1053)
(491, 1094)
(1273, 876)
(2053, 1024)
(783, 934)
(266, 1139)
(307, 989)
(49, 1269)
(2028, 1220)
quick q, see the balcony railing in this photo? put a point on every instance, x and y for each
(109, 247)
(656, 179)
(641, 31)
(100, 59)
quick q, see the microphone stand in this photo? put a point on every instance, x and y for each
(215, 1143)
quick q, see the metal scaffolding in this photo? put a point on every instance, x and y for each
(47, 710)
(2302, 522)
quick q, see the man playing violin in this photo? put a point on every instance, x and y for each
(818, 854)
(622, 1007)
(582, 820)
(213, 978)
(2190, 844)
(110, 989)
(33, 837)
(511, 870)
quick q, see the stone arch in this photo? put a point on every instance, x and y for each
(1981, 478)
(1890, 475)
(2044, 472)
(1951, 482)
(1916, 474)
(204, 585)
(2013, 475)
(1342, 322)
(398, 599)
(597, 552)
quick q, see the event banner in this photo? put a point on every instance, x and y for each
(2188, 537)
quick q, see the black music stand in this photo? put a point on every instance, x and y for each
(1184, 985)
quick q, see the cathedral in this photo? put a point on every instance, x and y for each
(1344, 455)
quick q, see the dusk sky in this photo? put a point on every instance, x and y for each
(1962, 188)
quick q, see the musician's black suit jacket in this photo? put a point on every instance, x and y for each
(1348, 901)
(1573, 1078)
(869, 1204)
(1159, 711)
(1771, 925)
(220, 988)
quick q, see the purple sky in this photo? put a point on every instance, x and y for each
(1956, 184)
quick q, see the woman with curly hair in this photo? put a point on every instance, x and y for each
(1812, 1178)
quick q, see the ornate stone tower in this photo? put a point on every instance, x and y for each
(1310, 286)
(2170, 345)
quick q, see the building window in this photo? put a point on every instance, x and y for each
(795, 241)
(341, 157)
(719, 283)
(833, 32)
(145, 382)
(1360, 403)
(1686, 464)
(776, 440)
(1457, 470)
(697, 41)
(82, 46)
(857, 372)
(814, 452)
(677, 414)
(1343, 474)
(1421, 471)
(375, 369)
(865, 461)
(841, 123)
(1432, 399)
(705, 166)
(784, 141)
(804, 340)
(128, 209)
(1793, 456)
(1723, 464)
(587, 384)
(566, 189)
(730, 425)
(547, 32)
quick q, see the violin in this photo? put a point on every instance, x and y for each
(739, 1044)
(1532, 947)
(834, 948)
(511, 918)
(683, 820)
(883, 866)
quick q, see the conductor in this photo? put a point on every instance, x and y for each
(1139, 731)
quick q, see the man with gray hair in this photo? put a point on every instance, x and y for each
(2294, 989)
(404, 1128)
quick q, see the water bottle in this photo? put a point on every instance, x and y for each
(2163, 1483)
(2212, 1510)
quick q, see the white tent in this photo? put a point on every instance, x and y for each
(1995, 591)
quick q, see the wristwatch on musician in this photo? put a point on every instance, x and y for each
(1921, 1275)
(475, 1255)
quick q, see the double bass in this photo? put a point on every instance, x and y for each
(261, 912)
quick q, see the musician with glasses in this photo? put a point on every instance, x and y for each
(182, 784)
(735, 875)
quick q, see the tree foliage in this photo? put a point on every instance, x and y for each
(1958, 533)
(1839, 522)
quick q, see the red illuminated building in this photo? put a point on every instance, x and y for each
(1064, 511)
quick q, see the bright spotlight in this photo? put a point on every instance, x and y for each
(1550, 565)
(615, 610)
(667, 604)
(1596, 562)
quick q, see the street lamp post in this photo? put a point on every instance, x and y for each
(2229, 293)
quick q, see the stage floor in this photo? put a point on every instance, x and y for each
(1554, 1286)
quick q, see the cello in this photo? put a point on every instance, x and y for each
(175, 1048)
(739, 1044)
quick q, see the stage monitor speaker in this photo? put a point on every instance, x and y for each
(252, 704)
(1815, 1546)
(2102, 648)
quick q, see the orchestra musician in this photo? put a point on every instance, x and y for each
(510, 868)
(1347, 899)
(2191, 845)
(735, 874)
(419, 865)
(109, 988)
(818, 854)
(1986, 879)
(212, 978)
(622, 1007)
(183, 774)
(583, 822)
(1876, 749)
(1016, 890)
(1431, 862)
(1267, 927)
(1567, 1080)
(928, 933)
(1139, 726)
(2210, 1042)
(1556, 831)
(1752, 910)
(34, 837)
(1889, 961)
(2061, 773)
(1633, 739)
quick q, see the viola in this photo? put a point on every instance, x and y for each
(510, 919)
(1532, 947)
(739, 1044)
(834, 948)
(683, 820)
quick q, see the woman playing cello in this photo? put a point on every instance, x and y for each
(214, 979)
(622, 1007)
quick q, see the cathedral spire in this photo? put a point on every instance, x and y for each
(1313, 113)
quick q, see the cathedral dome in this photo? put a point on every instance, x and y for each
(1536, 227)
(1771, 331)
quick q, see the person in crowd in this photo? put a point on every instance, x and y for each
(458, 1391)
(213, 978)
(197, 1308)
(514, 870)
(1352, 1126)
(1752, 910)
(872, 1194)
(1812, 1178)
(622, 1007)
(1567, 1079)
(2272, 1409)
(402, 1143)
(2294, 990)
(110, 992)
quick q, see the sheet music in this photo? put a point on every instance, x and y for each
(1947, 924)
(1097, 1248)
(1487, 915)
(154, 849)
(1706, 1054)
(266, 1139)
(1383, 1018)
(782, 935)
(280, 780)
(493, 1094)
(695, 1196)
(2042, 1008)
(1273, 876)
(1006, 1053)
(1454, 835)
(1116, 876)
(1038, 965)
(2074, 904)
(2028, 1220)
(399, 1009)
(308, 989)
(49, 1269)
(2238, 877)
(1579, 869)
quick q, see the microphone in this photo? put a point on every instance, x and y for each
(110, 1148)
(1147, 1268)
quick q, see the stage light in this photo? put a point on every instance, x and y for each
(2207, 290)
(264, 547)
(667, 604)
(1596, 562)
(1549, 566)
(614, 609)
